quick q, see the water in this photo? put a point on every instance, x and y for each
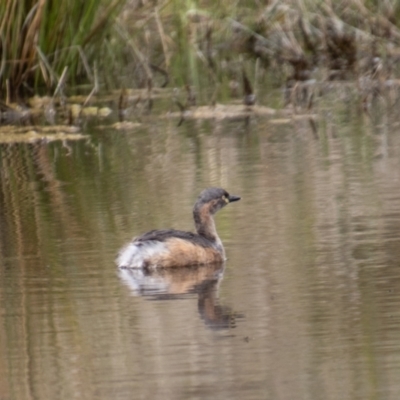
(306, 306)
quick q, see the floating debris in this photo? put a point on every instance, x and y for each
(77, 111)
(32, 134)
(222, 111)
(120, 126)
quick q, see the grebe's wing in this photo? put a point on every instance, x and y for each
(138, 252)
(162, 235)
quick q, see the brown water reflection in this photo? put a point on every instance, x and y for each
(313, 263)
(169, 284)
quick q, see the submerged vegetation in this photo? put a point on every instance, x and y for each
(228, 46)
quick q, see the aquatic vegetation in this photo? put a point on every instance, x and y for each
(30, 134)
(212, 52)
(40, 39)
(201, 41)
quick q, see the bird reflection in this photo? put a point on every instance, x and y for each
(170, 283)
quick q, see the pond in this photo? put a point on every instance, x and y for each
(305, 307)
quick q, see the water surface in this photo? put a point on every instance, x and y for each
(306, 306)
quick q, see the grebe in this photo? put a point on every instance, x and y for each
(173, 248)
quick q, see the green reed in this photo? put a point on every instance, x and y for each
(199, 43)
(40, 38)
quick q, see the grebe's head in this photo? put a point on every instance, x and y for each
(213, 199)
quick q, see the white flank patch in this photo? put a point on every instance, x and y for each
(138, 254)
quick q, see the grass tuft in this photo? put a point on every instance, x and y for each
(194, 43)
(39, 38)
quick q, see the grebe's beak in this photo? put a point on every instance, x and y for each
(233, 198)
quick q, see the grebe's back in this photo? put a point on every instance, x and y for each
(174, 248)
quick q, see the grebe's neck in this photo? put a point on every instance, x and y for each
(205, 226)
